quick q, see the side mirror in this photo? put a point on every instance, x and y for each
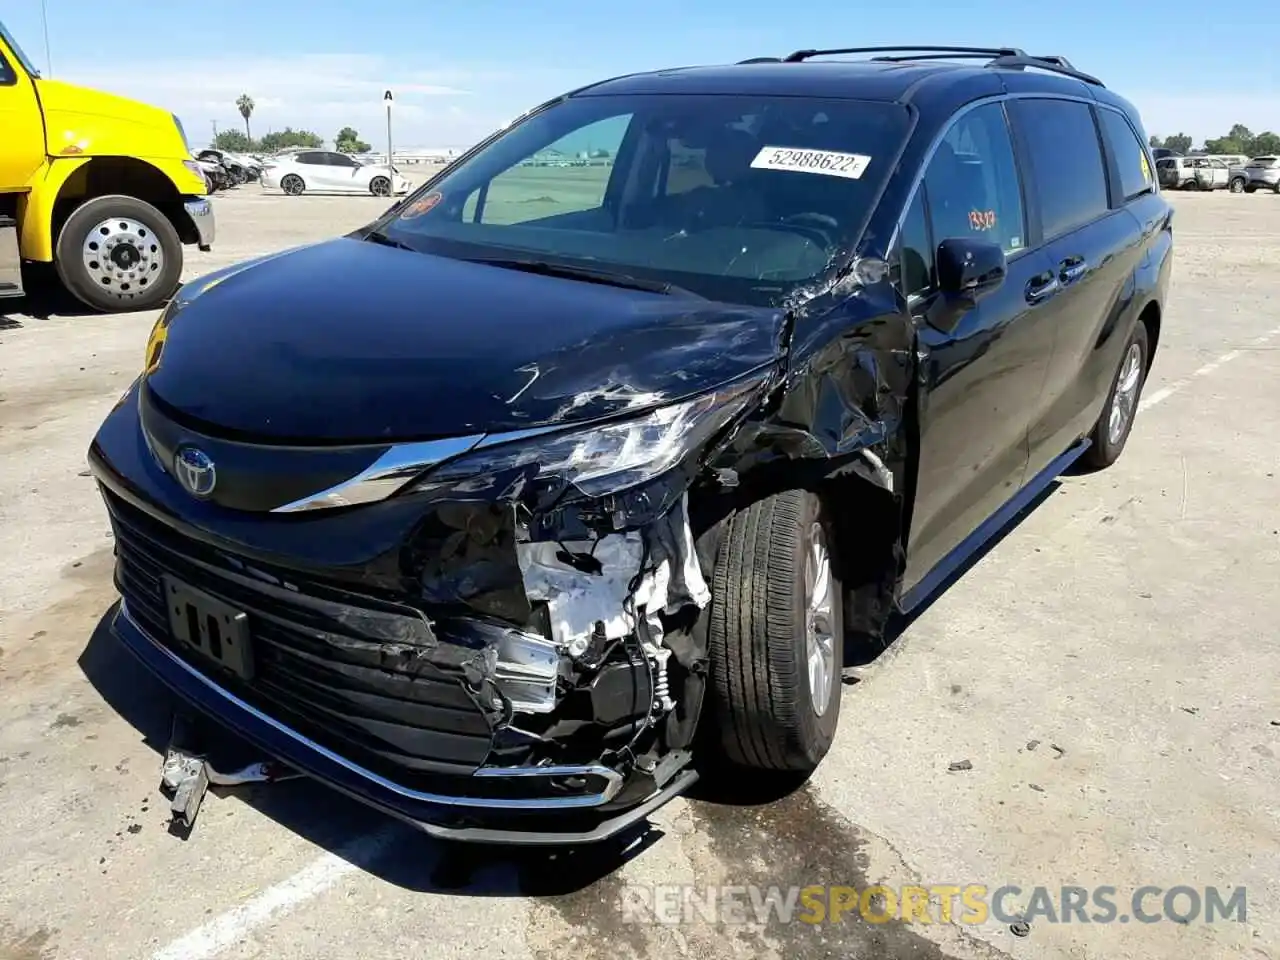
(968, 271)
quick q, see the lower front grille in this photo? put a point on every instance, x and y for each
(349, 677)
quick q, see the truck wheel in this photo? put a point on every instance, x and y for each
(1112, 429)
(775, 635)
(119, 253)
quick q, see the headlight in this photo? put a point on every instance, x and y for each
(602, 459)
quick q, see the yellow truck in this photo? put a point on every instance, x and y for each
(103, 188)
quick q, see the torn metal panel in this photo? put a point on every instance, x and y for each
(598, 587)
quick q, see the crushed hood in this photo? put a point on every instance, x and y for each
(349, 341)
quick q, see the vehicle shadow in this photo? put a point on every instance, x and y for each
(44, 298)
(370, 841)
(410, 859)
(859, 653)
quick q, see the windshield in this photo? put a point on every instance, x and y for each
(735, 198)
(12, 44)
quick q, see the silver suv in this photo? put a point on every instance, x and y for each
(1260, 173)
(1192, 173)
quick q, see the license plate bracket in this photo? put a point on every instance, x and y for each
(211, 627)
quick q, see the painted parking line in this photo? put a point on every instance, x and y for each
(228, 929)
(1165, 392)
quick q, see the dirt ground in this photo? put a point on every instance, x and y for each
(1108, 671)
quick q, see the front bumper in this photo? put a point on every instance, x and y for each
(453, 817)
(200, 210)
(343, 687)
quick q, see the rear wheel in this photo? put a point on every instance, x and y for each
(292, 185)
(119, 253)
(380, 187)
(775, 636)
(1114, 426)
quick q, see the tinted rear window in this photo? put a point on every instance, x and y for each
(1131, 156)
(1069, 177)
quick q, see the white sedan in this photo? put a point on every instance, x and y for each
(327, 171)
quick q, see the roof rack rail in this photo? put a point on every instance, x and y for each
(1006, 58)
(1053, 64)
(801, 55)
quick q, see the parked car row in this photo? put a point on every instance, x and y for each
(223, 170)
(1214, 173)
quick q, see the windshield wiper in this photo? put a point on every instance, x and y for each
(587, 274)
(377, 236)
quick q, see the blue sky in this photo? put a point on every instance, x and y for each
(459, 70)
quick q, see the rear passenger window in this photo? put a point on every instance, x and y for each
(7, 76)
(972, 182)
(1066, 159)
(1131, 158)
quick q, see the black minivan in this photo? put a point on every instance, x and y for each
(573, 476)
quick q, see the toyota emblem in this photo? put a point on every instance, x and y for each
(194, 470)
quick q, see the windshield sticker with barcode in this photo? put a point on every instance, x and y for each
(829, 163)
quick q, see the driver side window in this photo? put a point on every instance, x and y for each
(970, 189)
(565, 177)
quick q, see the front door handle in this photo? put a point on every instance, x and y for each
(1041, 287)
(1072, 269)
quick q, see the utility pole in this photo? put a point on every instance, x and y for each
(215, 134)
(44, 16)
(391, 172)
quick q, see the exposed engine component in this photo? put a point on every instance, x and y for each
(598, 593)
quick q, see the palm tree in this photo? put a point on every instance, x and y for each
(245, 105)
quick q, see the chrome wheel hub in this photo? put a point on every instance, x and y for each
(123, 256)
(1126, 395)
(820, 639)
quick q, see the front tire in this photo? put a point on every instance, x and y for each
(1237, 185)
(775, 635)
(1112, 430)
(119, 253)
(292, 185)
(380, 187)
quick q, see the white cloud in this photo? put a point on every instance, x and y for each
(320, 92)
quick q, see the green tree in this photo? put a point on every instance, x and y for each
(348, 141)
(287, 138)
(232, 140)
(1266, 142)
(245, 104)
(1227, 145)
(1178, 143)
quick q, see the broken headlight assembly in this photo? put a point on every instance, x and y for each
(602, 458)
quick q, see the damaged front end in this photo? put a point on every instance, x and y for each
(494, 638)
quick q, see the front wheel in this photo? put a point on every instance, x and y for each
(119, 253)
(1237, 185)
(293, 185)
(1116, 423)
(380, 187)
(775, 635)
